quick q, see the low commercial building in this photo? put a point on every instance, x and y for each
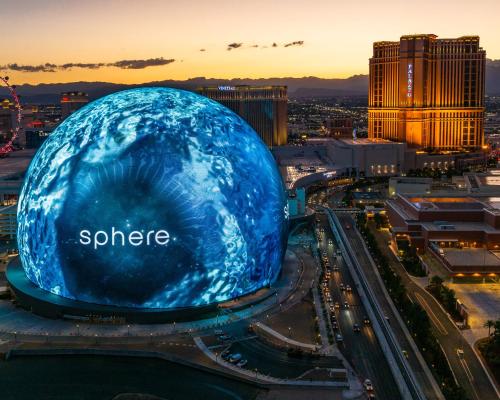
(409, 185)
(369, 198)
(369, 158)
(296, 202)
(8, 222)
(462, 232)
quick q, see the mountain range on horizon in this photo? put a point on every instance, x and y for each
(310, 86)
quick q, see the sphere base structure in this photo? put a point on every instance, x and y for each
(46, 304)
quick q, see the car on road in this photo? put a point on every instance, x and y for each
(342, 287)
(366, 320)
(335, 268)
(346, 304)
(337, 304)
(330, 243)
(347, 226)
(371, 396)
(335, 326)
(339, 252)
(348, 288)
(225, 354)
(405, 353)
(339, 338)
(234, 358)
(368, 385)
(356, 328)
(241, 363)
(460, 353)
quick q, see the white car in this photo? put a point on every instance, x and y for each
(241, 363)
(368, 385)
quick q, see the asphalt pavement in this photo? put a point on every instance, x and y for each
(467, 370)
(361, 349)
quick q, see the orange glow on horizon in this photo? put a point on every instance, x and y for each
(104, 32)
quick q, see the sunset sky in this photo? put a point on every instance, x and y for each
(337, 36)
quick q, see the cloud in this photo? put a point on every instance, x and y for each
(47, 67)
(232, 46)
(235, 45)
(123, 64)
(296, 43)
(81, 65)
(141, 64)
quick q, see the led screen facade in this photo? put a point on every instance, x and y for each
(152, 198)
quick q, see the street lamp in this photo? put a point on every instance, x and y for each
(77, 329)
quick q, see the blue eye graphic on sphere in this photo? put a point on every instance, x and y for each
(152, 198)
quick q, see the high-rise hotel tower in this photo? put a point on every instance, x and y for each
(265, 108)
(428, 92)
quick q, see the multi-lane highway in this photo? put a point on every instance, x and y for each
(416, 364)
(361, 349)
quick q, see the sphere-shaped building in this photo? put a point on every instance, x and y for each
(152, 198)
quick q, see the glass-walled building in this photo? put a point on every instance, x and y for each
(265, 108)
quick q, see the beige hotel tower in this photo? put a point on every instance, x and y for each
(428, 92)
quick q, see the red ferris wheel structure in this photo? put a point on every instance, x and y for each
(6, 148)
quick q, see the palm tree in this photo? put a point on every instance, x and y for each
(489, 324)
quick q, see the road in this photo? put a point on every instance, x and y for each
(362, 349)
(377, 289)
(467, 371)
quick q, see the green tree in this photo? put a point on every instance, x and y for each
(489, 324)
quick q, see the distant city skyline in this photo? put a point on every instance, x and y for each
(134, 42)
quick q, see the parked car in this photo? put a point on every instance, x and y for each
(225, 354)
(368, 385)
(234, 358)
(339, 338)
(225, 337)
(242, 363)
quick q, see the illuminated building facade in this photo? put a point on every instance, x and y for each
(265, 108)
(428, 92)
(72, 101)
